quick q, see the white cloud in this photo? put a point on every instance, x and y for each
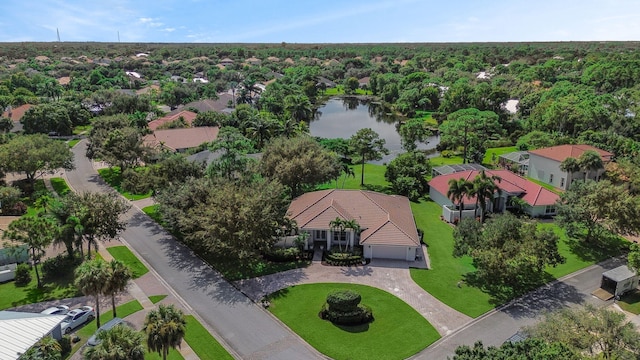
(170, 29)
(145, 20)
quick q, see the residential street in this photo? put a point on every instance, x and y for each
(497, 326)
(250, 331)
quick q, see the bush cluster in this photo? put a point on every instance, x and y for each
(283, 254)
(23, 275)
(342, 259)
(59, 265)
(343, 308)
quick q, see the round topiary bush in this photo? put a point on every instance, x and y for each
(23, 275)
(343, 307)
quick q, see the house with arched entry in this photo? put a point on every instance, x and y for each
(386, 224)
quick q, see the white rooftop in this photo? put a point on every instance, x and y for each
(19, 331)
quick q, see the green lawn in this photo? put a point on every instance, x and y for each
(373, 179)
(544, 185)
(59, 288)
(157, 298)
(446, 271)
(202, 343)
(153, 213)
(491, 156)
(73, 142)
(90, 328)
(125, 255)
(631, 302)
(339, 90)
(59, 185)
(442, 280)
(113, 177)
(440, 160)
(397, 332)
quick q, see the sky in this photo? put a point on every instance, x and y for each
(319, 21)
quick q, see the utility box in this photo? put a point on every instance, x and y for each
(620, 280)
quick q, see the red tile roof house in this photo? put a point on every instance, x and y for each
(188, 117)
(544, 164)
(540, 201)
(388, 230)
(179, 140)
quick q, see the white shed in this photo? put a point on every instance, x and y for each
(619, 280)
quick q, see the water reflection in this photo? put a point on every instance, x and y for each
(341, 118)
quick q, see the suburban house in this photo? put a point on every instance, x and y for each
(539, 201)
(16, 114)
(221, 104)
(179, 140)
(454, 168)
(188, 117)
(19, 331)
(387, 227)
(544, 164)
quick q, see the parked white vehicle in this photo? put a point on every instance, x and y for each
(8, 272)
(77, 317)
(56, 310)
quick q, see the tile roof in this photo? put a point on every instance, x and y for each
(561, 152)
(16, 114)
(384, 219)
(188, 116)
(178, 139)
(532, 193)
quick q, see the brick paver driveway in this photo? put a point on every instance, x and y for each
(389, 275)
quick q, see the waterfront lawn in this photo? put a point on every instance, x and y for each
(125, 255)
(373, 179)
(113, 177)
(492, 154)
(397, 332)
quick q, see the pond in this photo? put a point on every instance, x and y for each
(343, 117)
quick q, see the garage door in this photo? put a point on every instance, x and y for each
(389, 252)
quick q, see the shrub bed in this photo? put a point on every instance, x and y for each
(282, 254)
(342, 259)
(60, 265)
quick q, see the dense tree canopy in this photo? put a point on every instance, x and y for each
(299, 163)
(35, 155)
(470, 129)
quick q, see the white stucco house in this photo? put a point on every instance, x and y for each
(544, 164)
(388, 230)
(540, 202)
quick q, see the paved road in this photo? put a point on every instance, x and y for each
(248, 329)
(497, 326)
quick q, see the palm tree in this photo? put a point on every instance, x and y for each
(353, 225)
(119, 276)
(299, 107)
(47, 348)
(259, 129)
(91, 277)
(337, 224)
(483, 188)
(589, 161)
(165, 328)
(458, 190)
(570, 165)
(118, 343)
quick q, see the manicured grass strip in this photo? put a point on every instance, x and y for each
(157, 298)
(397, 332)
(446, 271)
(125, 255)
(544, 185)
(631, 302)
(173, 354)
(59, 185)
(90, 328)
(59, 288)
(152, 211)
(73, 142)
(202, 343)
(113, 177)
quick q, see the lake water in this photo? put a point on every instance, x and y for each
(342, 118)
